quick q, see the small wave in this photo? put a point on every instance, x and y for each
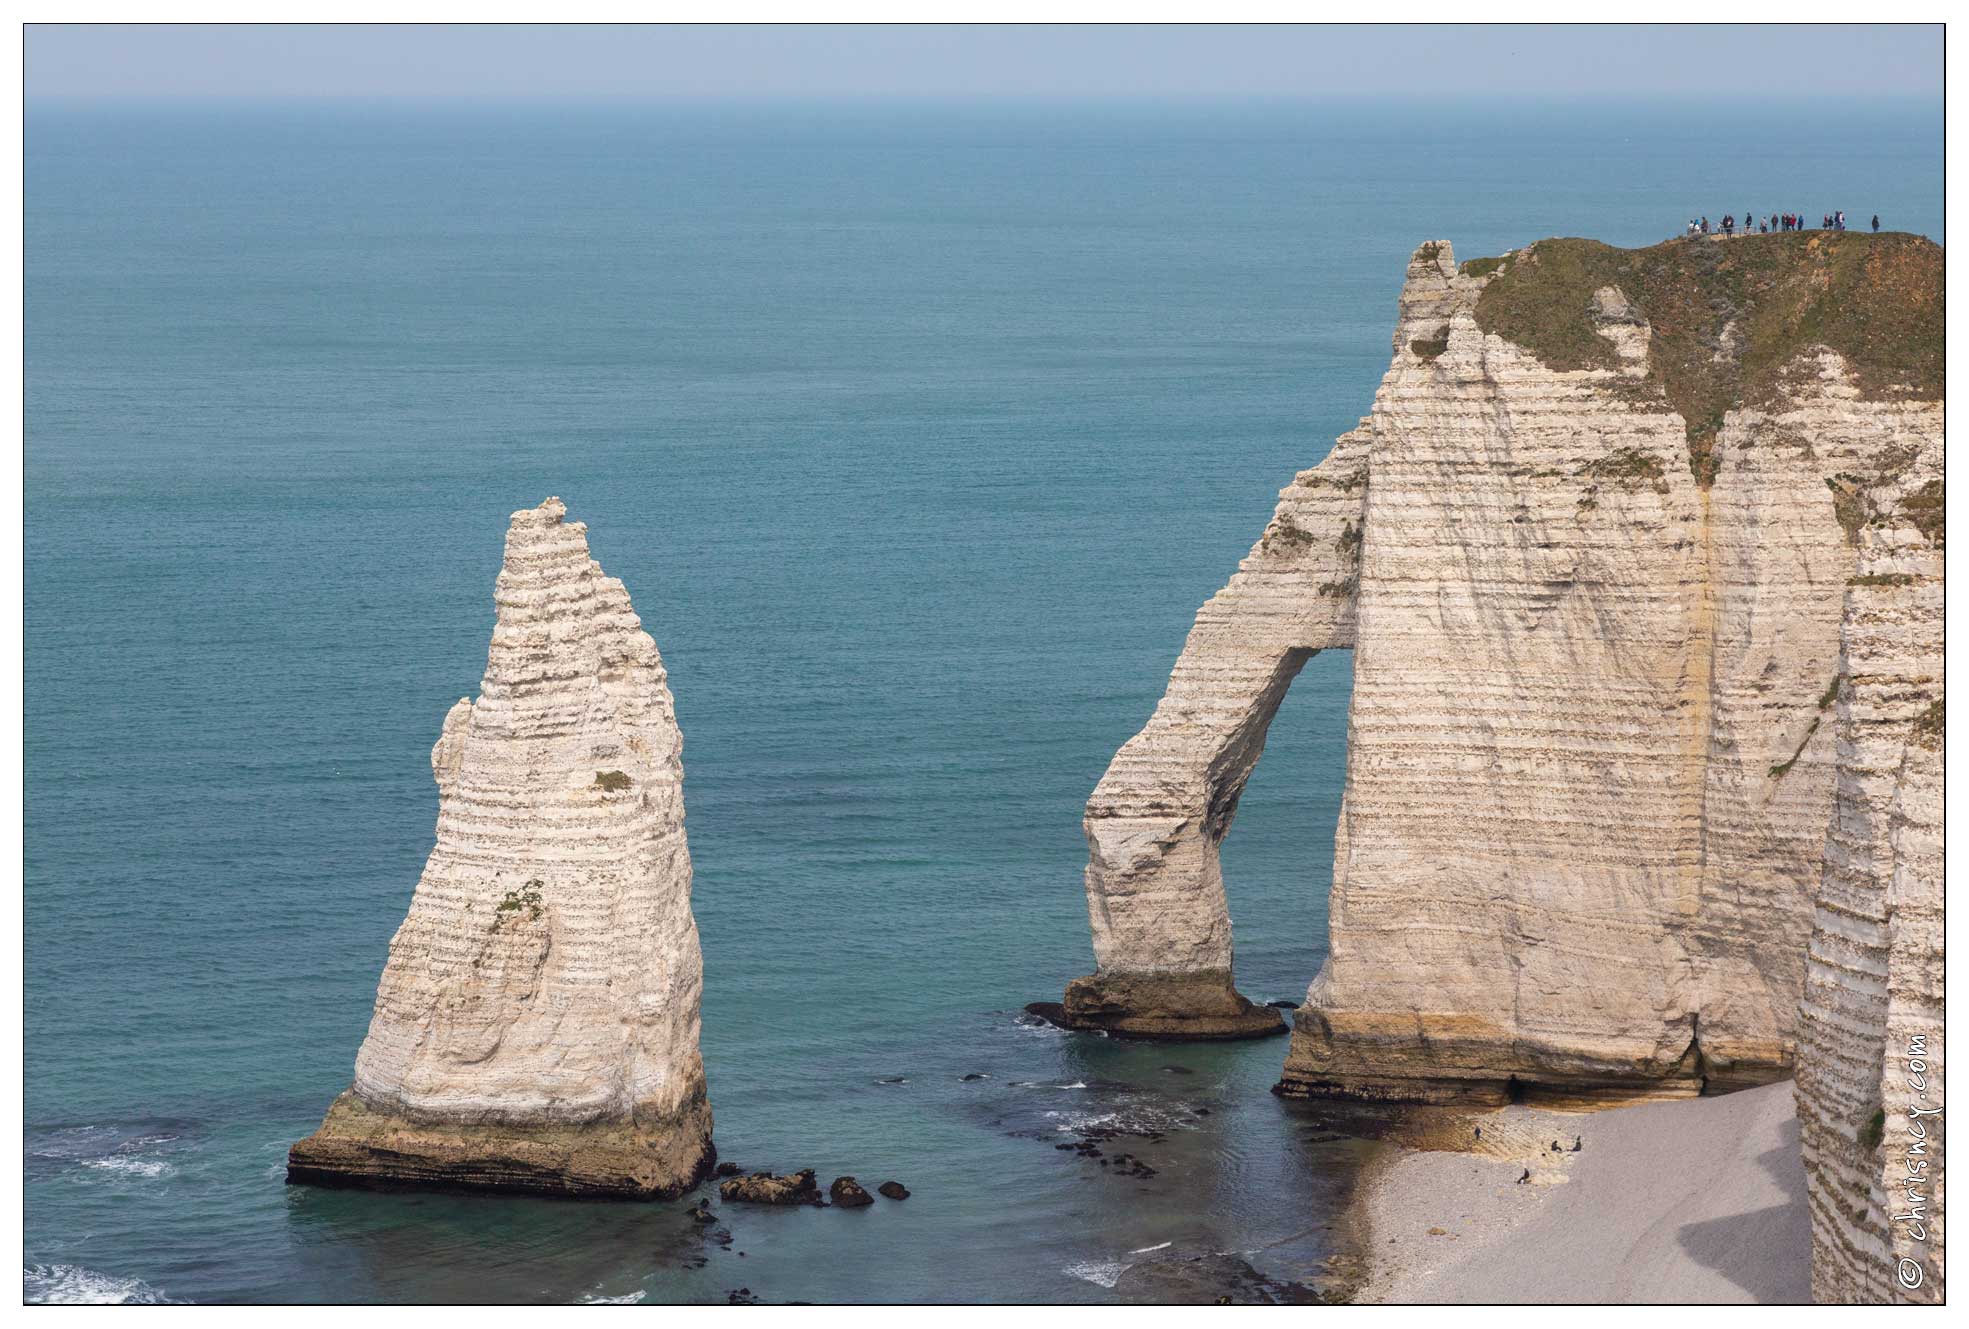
(1083, 1121)
(1144, 1250)
(72, 1285)
(130, 1166)
(1046, 1084)
(1102, 1273)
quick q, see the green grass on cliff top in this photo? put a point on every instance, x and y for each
(1875, 299)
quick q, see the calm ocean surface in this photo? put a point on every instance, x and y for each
(918, 433)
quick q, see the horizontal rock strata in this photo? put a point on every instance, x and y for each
(1590, 765)
(1155, 890)
(536, 1026)
(1871, 1038)
(1590, 549)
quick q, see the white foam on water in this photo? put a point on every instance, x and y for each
(627, 1299)
(1081, 1121)
(1102, 1273)
(128, 1166)
(72, 1285)
(1144, 1250)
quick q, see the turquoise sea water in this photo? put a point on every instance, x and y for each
(917, 431)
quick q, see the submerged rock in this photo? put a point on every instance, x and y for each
(766, 1188)
(536, 1026)
(1209, 1280)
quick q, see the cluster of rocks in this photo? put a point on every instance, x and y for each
(1119, 1164)
(802, 1188)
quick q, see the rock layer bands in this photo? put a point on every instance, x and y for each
(536, 1026)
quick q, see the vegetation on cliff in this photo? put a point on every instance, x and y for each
(1728, 316)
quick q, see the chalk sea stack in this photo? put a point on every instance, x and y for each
(536, 1027)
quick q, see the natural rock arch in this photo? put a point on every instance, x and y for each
(1157, 820)
(1588, 765)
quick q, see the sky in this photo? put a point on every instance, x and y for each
(373, 61)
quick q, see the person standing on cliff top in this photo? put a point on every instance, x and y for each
(1876, 223)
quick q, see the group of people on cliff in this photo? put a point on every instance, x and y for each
(1776, 221)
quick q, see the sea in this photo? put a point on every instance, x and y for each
(918, 430)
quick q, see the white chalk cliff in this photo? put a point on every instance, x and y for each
(1639, 555)
(1871, 1038)
(536, 1027)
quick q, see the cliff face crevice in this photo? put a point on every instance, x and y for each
(1603, 517)
(536, 1025)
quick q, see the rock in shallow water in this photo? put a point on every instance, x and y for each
(766, 1188)
(895, 1190)
(847, 1193)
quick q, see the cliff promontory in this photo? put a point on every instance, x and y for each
(536, 1027)
(1639, 555)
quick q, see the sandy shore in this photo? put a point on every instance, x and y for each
(1701, 1200)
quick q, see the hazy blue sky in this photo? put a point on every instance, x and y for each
(415, 60)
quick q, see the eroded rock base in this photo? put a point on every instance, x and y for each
(360, 1146)
(1202, 1007)
(1447, 1060)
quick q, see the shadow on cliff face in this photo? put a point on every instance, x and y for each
(1759, 1250)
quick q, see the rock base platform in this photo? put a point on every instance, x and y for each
(360, 1146)
(1174, 1010)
